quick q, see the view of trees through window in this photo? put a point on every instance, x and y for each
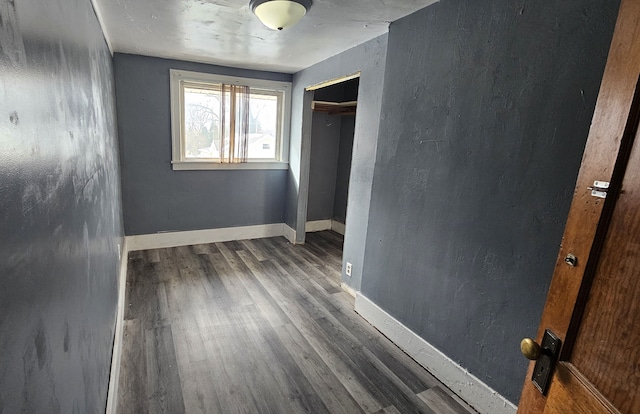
(202, 123)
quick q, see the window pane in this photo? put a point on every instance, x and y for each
(263, 126)
(201, 123)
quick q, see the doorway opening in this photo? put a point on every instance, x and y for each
(332, 134)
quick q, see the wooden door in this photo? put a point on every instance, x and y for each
(594, 306)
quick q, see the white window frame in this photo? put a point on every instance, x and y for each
(178, 160)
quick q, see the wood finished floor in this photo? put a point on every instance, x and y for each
(260, 326)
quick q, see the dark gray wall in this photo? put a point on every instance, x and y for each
(347, 131)
(345, 152)
(369, 59)
(156, 198)
(331, 150)
(60, 213)
(486, 110)
(325, 144)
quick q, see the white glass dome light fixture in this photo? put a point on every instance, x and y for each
(280, 14)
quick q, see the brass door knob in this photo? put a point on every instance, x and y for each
(530, 349)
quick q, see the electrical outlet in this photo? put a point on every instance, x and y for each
(348, 269)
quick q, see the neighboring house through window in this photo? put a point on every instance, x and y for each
(224, 122)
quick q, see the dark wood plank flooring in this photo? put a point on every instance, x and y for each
(260, 326)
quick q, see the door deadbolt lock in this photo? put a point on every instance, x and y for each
(571, 260)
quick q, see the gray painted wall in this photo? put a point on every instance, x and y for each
(323, 169)
(60, 212)
(156, 198)
(486, 110)
(368, 58)
(331, 150)
(347, 131)
(326, 173)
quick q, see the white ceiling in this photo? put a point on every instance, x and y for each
(226, 32)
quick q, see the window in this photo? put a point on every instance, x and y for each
(223, 122)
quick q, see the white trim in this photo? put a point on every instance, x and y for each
(202, 77)
(332, 82)
(304, 163)
(116, 356)
(338, 227)
(185, 238)
(321, 225)
(98, 12)
(317, 225)
(177, 80)
(475, 392)
(289, 233)
(203, 165)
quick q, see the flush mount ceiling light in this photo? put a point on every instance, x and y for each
(280, 14)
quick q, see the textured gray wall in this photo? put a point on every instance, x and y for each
(487, 107)
(369, 58)
(325, 143)
(60, 213)
(347, 131)
(157, 198)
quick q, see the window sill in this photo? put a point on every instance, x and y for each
(202, 165)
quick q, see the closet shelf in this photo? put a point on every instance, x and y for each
(335, 108)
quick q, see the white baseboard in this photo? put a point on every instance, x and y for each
(337, 227)
(185, 238)
(317, 225)
(475, 392)
(116, 356)
(321, 225)
(289, 234)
